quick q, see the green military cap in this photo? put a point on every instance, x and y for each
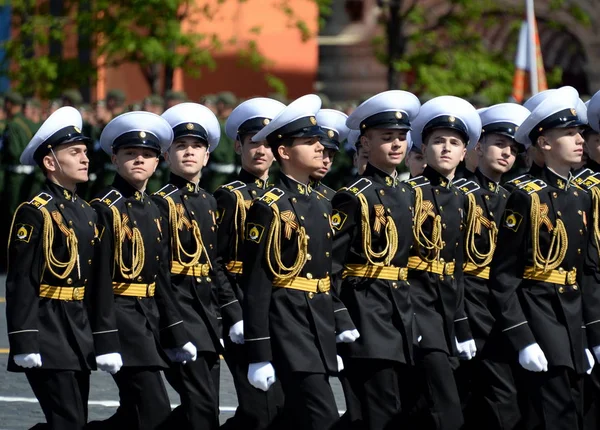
(73, 96)
(325, 100)
(86, 107)
(209, 99)
(101, 103)
(227, 98)
(34, 101)
(155, 99)
(116, 94)
(14, 97)
(175, 95)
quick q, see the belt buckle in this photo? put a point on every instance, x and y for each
(571, 277)
(150, 289)
(76, 294)
(319, 289)
(204, 270)
(402, 274)
(448, 268)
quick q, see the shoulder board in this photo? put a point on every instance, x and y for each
(112, 197)
(272, 196)
(459, 182)
(359, 186)
(533, 186)
(587, 179)
(41, 200)
(235, 185)
(521, 180)
(166, 191)
(417, 181)
(467, 187)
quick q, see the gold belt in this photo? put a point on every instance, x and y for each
(438, 267)
(376, 272)
(199, 270)
(234, 267)
(134, 290)
(62, 293)
(480, 272)
(304, 284)
(558, 276)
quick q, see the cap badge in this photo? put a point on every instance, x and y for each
(189, 126)
(451, 118)
(330, 134)
(313, 120)
(142, 134)
(574, 112)
(266, 121)
(77, 129)
(398, 115)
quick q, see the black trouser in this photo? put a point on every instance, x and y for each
(488, 394)
(256, 409)
(436, 396)
(198, 391)
(309, 401)
(63, 396)
(378, 391)
(552, 399)
(591, 398)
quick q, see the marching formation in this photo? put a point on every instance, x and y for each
(449, 300)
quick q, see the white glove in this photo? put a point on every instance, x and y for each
(597, 352)
(591, 362)
(222, 343)
(182, 354)
(236, 333)
(347, 336)
(532, 358)
(466, 349)
(28, 360)
(261, 375)
(340, 363)
(110, 363)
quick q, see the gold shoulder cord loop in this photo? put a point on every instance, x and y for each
(391, 236)
(422, 211)
(138, 252)
(558, 244)
(475, 220)
(177, 220)
(595, 215)
(274, 244)
(52, 262)
(240, 227)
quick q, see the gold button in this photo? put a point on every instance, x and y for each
(308, 257)
(185, 197)
(444, 225)
(198, 279)
(129, 204)
(294, 200)
(395, 284)
(302, 217)
(558, 213)
(554, 195)
(208, 279)
(437, 191)
(140, 279)
(253, 192)
(579, 212)
(203, 196)
(309, 276)
(561, 290)
(487, 197)
(441, 208)
(84, 281)
(324, 215)
(575, 287)
(158, 239)
(89, 261)
(210, 246)
(561, 270)
(581, 232)
(62, 206)
(157, 258)
(442, 260)
(92, 241)
(578, 250)
(382, 192)
(328, 235)
(90, 223)
(311, 295)
(82, 205)
(327, 254)
(69, 281)
(575, 193)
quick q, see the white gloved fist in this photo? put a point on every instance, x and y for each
(340, 363)
(182, 354)
(532, 358)
(591, 361)
(28, 360)
(261, 375)
(466, 349)
(236, 333)
(347, 336)
(111, 362)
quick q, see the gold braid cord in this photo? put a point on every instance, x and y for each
(423, 210)
(391, 234)
(274, 244)
(52, 263)
(138, 253)
(177, 221)
(240, 227)
(596, 215)
(475, 220)
(559, 243)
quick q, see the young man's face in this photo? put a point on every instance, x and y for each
(73, 163)
(257, 157)
(592, 143)
(305, 154)
(415, 163)
(386, 147)
(328, 156)
(187, 156)
(443, 150)
(497, 152)
(562, 145)
(361, 158)
(135, 164)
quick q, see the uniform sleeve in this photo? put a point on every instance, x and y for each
(25, 262)
(507, 269)
(100, 299)
(257, 285)
(590, 282)
(462, 329)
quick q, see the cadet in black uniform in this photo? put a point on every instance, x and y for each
(196, 272)
(291, 314)
(256, 409)
(486, 383)
(372, 219)
(539, 281)
(61, 321)
(444, 129)
(133, 261)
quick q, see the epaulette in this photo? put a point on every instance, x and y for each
(459, 182)
(417, 181)
(112, 197)
(523, 179)
(272, 196)
(587, 179)
(467, 187)
(235, 185)
(166, 191)
(41, 200)
(533, 186)
(359, 186)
